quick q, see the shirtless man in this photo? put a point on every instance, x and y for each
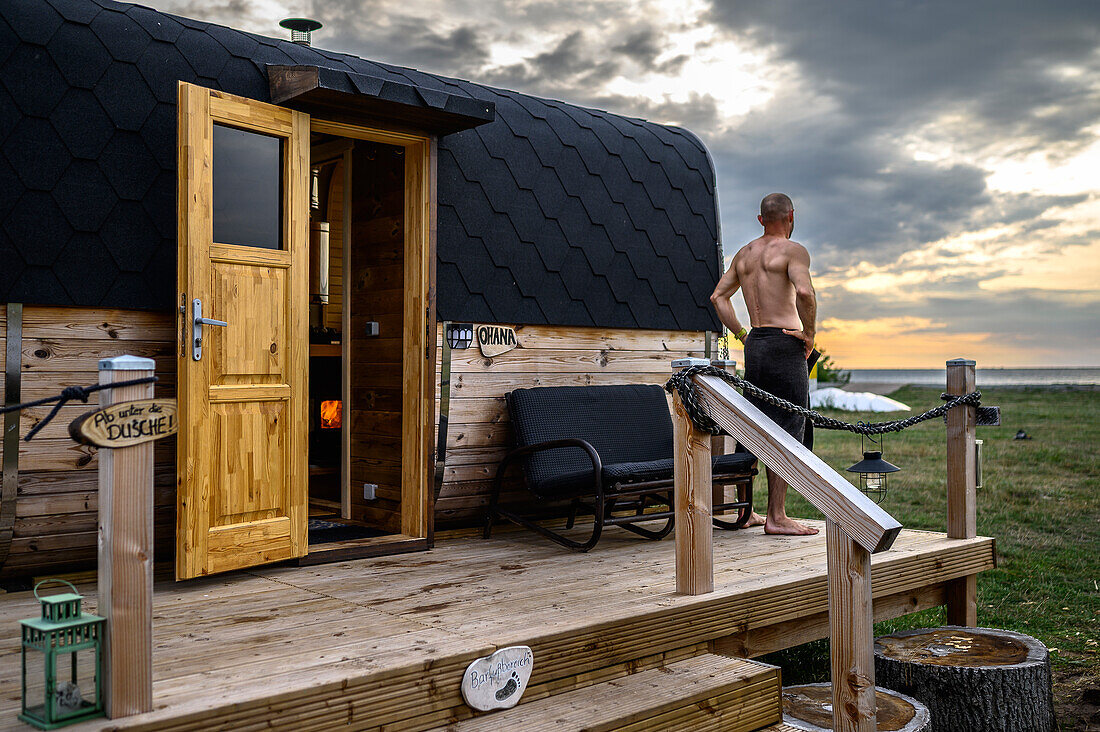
(773, 272)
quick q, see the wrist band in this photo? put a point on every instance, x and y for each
(741, 335)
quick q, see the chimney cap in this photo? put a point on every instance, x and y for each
(300, 29)
(304, 25)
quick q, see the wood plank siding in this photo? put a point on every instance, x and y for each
(479, 431)
(55, 524)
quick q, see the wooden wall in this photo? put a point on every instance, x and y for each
(374, 281)
(335, 216)
(55, 526)
(56, 507)
(479, 433)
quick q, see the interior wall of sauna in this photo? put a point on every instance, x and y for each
(374, 285)
(479, 431)
(57, 501)
(335, 214)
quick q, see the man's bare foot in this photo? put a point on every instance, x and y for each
(787, 527)
(754, 520)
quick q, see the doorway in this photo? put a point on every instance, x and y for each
(279, 419)
(366, 495)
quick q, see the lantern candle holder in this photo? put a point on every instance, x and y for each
(872, 470)
(64, 650)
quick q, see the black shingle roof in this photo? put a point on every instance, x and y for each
(550, 214)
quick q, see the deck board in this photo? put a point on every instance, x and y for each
(392, 635)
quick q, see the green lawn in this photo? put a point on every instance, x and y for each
(1040, 500)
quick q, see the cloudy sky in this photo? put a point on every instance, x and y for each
(943, 155)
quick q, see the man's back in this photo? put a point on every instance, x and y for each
(763, 268)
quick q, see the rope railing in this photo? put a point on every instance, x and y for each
(69, 393)
(681, 382)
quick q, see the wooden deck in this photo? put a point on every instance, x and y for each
(382, 643)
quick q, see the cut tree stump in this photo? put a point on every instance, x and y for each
(975, 679)
(810, 707)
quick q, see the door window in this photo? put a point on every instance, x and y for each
(247, 187)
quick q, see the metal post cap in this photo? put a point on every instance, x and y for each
(683, 363)
(127, 363)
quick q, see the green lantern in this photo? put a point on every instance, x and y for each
(64, 650)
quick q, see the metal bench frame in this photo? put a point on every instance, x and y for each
(640, 495)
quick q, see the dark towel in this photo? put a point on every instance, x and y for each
(776, 362)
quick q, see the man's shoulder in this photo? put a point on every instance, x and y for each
(795, 248)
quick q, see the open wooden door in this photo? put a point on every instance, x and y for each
(243, 258)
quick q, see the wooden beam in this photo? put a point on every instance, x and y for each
(962, 594)
(692, 486)
(851, 632)
(125, 593)
(841, 502)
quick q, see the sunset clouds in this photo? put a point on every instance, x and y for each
(943, 156)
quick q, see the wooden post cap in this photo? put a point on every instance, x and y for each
(809, 707)
(127, 363)
(683, 363)
(961, 362)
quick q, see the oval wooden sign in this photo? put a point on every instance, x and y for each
(126, 423)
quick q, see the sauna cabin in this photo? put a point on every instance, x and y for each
(356, 225)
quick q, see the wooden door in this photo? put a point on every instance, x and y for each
(243, 240)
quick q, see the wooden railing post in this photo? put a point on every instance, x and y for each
(962, 593)
(723, 444)
(126, 551)
(851, 632)
(692, 486)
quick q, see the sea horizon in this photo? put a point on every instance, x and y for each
(987, 376)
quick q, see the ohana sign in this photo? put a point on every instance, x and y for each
(126, 423)
(496, 339)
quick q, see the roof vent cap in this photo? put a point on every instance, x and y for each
(300, 28)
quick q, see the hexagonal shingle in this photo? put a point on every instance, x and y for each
(163, 66)
(83, 125)
(33, 79)
(38, 228)
(79, 55)
(76, 11)
(125, 96)
(158, 25)
(36, 153)
(128, 165)
(13, 263)
(125, 234)
(124, 38)
(82, 257)
(34, 22)
(203, 52)
(84, 196)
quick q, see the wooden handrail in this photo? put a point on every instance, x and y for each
(827, 490)
(855, 527)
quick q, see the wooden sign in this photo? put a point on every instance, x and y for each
(498, 681)
(126, 423)
(496, 339)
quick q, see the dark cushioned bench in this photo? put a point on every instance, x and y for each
(609, 450)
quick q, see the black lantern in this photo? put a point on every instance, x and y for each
(460, 335)
(872, 470)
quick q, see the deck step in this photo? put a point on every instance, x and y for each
(708, 692)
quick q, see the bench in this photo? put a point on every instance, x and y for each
(607, 450)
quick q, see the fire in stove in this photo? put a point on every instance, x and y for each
(331, 414)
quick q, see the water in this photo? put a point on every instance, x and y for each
(985, 377)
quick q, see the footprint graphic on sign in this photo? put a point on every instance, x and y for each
(509, 688)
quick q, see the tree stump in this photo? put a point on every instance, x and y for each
(976, 679)
(810, 707)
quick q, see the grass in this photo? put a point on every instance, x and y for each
(1040, 500)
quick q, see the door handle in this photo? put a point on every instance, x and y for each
(197, 322)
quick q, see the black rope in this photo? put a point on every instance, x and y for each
(682, 384)
(70, 393)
